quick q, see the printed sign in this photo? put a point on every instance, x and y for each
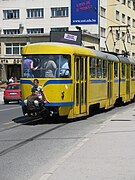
(10, 61)
(84, 12)
(70, 37)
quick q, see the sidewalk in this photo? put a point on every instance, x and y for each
(106, 154)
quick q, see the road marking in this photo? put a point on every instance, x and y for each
(9, 109)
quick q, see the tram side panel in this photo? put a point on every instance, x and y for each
(116, 81)
(133, 88)
(132, 81)
(98, 83)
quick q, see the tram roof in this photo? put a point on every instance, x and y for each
(50, 47)
(126, 60)
(105, 55)
(70, 48)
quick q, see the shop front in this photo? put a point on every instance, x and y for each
(10, 67)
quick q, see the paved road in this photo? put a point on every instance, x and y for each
(107, 153)
(99, 147)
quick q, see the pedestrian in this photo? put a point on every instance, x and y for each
(15, 79)
(11, 80)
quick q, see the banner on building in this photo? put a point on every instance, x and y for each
(84, 12)
(70, 37)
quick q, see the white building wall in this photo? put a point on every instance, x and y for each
(47, 22)
(103, 23)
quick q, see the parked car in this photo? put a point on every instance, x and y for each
(12, 93)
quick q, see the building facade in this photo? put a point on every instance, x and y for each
(31, 21)
(23, 22)
(121, 26)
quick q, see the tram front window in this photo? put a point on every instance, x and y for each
(46, 66)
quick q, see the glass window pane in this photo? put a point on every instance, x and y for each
(92, 67)
(16, 50)
(104, 69)
(8, 51)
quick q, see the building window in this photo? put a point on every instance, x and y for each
(59, 12)
(123, 18)
(59, 29)
(102, 49)
(129, 3)
(128, 21)
(133, 5)
(102, 32)
(103, 12)
(11, 31)
(133, 21)
(133, 55)
(123, 1)
(11, 14)
(35, 13)
(35, 31)
(117, 51)
(117, 35)
(128, 38)
(117, 15)
(123, 36)
(133, 39)
(14, 48)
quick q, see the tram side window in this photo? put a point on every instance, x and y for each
(92, 67)
(99, 68)
(123, 70)
(132, 70)
(77, 69)
(81, 68)
(65, 66)
(104, 68)
(115, 70)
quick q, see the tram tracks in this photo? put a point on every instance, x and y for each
(30, 139)
(25, 123)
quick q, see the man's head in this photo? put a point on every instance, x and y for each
(36, 82)
(51, 57)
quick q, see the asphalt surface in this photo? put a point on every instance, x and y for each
(100, 147)
(106, 153)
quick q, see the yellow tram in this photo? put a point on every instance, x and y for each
(83, 80)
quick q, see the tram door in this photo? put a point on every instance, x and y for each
(80, 85)
(110, 83)
(127, 81)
